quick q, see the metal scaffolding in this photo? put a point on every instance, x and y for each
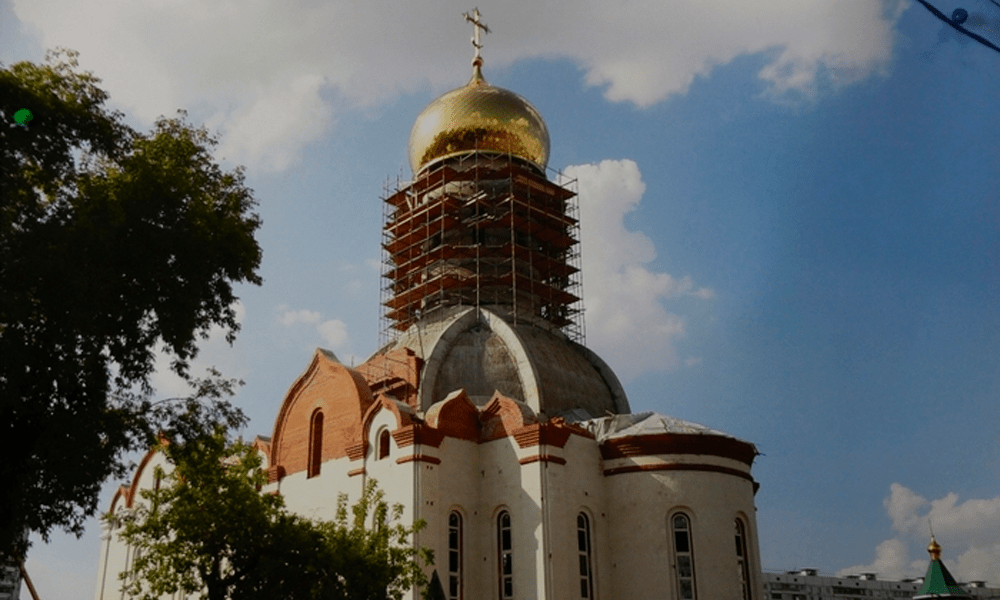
(482, 229)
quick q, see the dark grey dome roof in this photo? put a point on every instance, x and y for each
(480, 351)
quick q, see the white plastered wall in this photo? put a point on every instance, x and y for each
(578, 486)
(643, 564)
(116, 556)
(632, 553)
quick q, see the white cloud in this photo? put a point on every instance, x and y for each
(291, 317)
(892, 562)
(331, 333)
(975, 521)
(967, 531)
(626, 319)
(334, 333)
(979, 563)
(902, 506)
(268, 74)
(272, 130)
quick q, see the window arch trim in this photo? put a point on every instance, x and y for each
(683, 552)
(384, 443)
(315, 456)
(505, 554)
(585, 553)
(743, 557)
(456, 555)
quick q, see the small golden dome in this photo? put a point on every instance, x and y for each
(934, 549)
(478, 116)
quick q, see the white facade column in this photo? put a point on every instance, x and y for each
(106, 532)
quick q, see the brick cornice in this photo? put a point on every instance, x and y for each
(678, 443)
(418, 458)
(275, 473)
(417, 434)
(572, 427)
(538, 434)
(357, 451)
(543, 458)
(355, 472)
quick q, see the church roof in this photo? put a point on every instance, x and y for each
(483, 351)
(478, 117)
(938, 583)
(645, 423)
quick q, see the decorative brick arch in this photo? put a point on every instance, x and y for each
(401, 411)
(131, 491)
(455, 416)
(121, 494)
(263, 445)
(340, 392)
(502, 416)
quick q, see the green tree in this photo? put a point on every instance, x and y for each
(210, 529)
(113, 244)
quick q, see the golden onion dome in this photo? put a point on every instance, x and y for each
(934, 549)
(478, 117)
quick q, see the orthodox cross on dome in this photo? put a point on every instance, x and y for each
(476, 26)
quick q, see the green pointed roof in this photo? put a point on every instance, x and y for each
(938, 583)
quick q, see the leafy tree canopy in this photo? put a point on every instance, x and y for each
(208, 529)
(113, 244)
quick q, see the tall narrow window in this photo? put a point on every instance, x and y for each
(315, 443)
(136, 555)
(743, 561)
(684, 556)
(504, 555)
(583, 549)
(454, 556)
(383, 444)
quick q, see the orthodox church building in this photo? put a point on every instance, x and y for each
(485, 415)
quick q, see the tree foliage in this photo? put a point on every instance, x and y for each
(113, 245)
(209, 529)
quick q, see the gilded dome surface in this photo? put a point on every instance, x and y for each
(478, 116)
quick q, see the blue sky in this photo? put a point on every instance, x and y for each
(789, 215)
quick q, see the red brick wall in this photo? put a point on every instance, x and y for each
(456, 417)
(396, 374)
(340, 393)
(502, 416)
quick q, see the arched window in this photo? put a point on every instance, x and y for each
(683, 556)
(383, 444)
(586, 560)
(455, 556)
(743, 560)
(315, 444)
(504, 556)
